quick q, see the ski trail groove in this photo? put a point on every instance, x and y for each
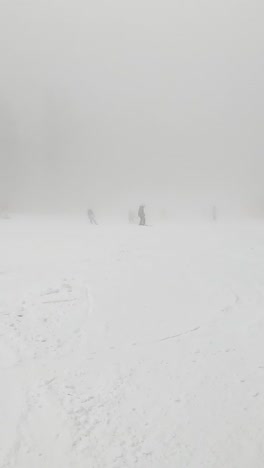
(172, 337)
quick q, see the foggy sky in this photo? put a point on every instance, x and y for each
(109, 100)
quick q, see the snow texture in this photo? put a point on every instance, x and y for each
(123, 346)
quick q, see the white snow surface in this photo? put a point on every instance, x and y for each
(126, 346)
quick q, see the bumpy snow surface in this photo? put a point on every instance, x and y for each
(126, 346)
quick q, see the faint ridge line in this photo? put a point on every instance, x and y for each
(59, 300)
(179, 334)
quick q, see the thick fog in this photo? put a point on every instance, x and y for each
(109, 103)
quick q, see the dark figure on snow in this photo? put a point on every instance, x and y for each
(142, 216)
(91, 217)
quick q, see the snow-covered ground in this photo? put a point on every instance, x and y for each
(131, 347)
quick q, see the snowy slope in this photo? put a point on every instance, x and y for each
(131, 347)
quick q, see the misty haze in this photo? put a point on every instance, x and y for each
(131, 234)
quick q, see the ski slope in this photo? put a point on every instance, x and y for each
(124, 347)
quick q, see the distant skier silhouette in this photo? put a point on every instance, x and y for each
(141, 215)
(131, 216)
(91, 216)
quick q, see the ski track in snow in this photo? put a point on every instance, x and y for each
(179, 334)
(87, 380)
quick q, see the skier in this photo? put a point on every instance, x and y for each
(141, 215)
(91, 216)
(214, 213)
(131, 216)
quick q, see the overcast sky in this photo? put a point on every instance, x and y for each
(102, 100)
